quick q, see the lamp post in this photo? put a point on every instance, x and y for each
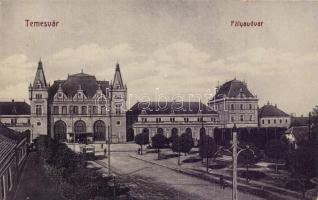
(234, 191)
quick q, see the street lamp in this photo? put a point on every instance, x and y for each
(234, 191)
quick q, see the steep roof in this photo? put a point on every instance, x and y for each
(14, 108)
(86, 82)
(39, 76)
(233, 88)
(118, 81)
(156, 108)
(271, 111)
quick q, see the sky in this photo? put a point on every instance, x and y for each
(166, 48)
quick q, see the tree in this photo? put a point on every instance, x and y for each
(142, 139)
(183, 144)
(250, 155)
(207, 149)
(159, 141)
(276, 149)
(302, 163)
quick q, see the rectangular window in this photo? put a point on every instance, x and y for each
(172, 119)
(241, 118)
(71, 111)
(75, 110)
(38, 109)
(186, 119)
(14, 121)
(263, 122)
(269, 121)
(242, 107)
(232, 106)
(84, 110)
(274, 121)
(64, 110)
(55, 110)
(280, 121)
(158, 120)
(38, 96)
(144, 119)
(250, 106)
(232, 118)
(118, 109)
(29, 121)
(95, 110)
(103, 110)
(251, 117)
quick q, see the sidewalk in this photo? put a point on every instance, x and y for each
(34, 183)
(254, 187)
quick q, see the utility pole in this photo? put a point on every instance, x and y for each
(234, 190)
(309, 126)
(109, 172)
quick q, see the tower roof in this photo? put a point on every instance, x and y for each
(118, 81)
(39, 76)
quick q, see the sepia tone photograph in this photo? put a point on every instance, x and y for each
(158, 100)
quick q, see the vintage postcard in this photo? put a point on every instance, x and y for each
(158, 99)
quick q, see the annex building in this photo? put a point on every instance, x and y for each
(79, 108)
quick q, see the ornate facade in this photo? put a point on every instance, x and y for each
(80, 106)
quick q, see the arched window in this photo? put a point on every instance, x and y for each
(60, 130)
(99, 131)
(174, 132)
(188, 131)
(80, 127)
(159, 130)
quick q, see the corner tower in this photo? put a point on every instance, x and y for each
(118, 107)
(38, 95)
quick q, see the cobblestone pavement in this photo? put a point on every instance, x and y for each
(148, 181)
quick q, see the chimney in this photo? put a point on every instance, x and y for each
(12, 100)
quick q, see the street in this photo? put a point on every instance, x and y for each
(149, 181)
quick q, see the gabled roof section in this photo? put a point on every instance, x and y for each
(271, 111)
(233, 88)
(172, 107)
(7, 145)
(39, 79)
(14, 108)
(85, 82)
(118, 81)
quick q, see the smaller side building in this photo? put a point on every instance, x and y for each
(16, 115)
(171, 118)
(272, 117)
(13, 153)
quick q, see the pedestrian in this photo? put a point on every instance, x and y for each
(138, 151)
(105, 151)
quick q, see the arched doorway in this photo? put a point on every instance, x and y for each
(188, 131)
(159, 130)
(80, 130)
(130, 134)
(202, 132)
(60, 131)
(99, 131)
(146, 131)
(174, 132)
